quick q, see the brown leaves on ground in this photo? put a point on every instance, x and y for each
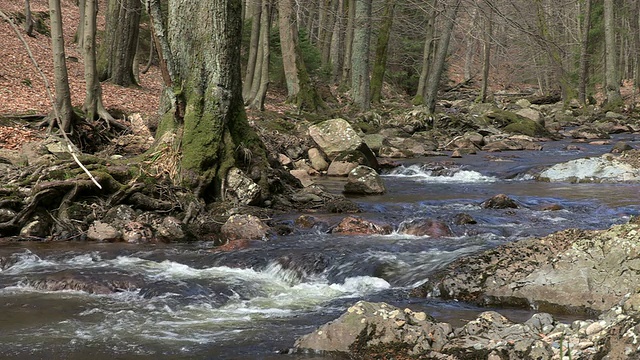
(13, 138)
(22, 90)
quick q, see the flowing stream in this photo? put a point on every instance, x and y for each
(191, 301)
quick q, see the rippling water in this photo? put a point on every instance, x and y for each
(191, 301)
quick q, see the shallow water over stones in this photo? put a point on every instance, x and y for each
(193, 301)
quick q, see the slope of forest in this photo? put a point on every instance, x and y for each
(22, 90)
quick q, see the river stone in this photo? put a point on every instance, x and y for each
(425, 227)
(6, 215)
(374, 142)
(244, 227)
(621, 147)
(335, 136)
(363, 180)
(589, 132)
(241, 188)
(101, 283)
(532, 115)
(605, 169)
(344, 162)
(317, 159)
(391, 152)
(500, 201)
(570, 270)
(137, 232)
(170, 229)
(99, 231)
(353, 225)
(367, 324)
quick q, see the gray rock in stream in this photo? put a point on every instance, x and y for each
(604, 169)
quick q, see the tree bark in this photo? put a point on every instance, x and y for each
(433, 80)
(380, 63)
(79, 35)
(256, 12)
(299, 88)
(118, 49)
(203, 38)
(470, 45)
(348, 42)
(612, 80)
(93, 106)
(360, 81)
(63, 93)
(262, 78)
(427, 54)
(28, 21)
(486, 62)
(584, 54)
(337, 43)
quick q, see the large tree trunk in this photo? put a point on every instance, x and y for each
(380, 63)
(360, 81)
(612, 80)
(337, 43)
(63, 93)
(208, 116)
(28, 21)
(93, 106)
(79, 35)
(584, 54)
(118, 49)
(433, 80)
(299, 88)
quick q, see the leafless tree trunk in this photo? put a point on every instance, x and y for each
(584, 54)
(256, 11)
(360, 81)
(79, 35)
(380, 63)
(348, 42)
(433, 80)
(612, 80)
(427, 53)
(28, 21)
(93, 106)
(470, 44)
(63, 93)
(337, 43)
(486, 63)
(262, 71)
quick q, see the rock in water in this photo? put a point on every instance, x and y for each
(364, 180)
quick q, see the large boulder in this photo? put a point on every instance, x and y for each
(364, 180)
(366, 325)
(344, 162)
(572, 270)
(336, 136)
(605, 169)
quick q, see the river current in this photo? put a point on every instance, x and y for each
(194, 302)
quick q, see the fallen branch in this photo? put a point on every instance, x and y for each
(48, 88)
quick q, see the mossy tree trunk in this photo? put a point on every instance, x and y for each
(380, 63)
(360, 81)
(118, 49)
(299, 88)
(208, 114)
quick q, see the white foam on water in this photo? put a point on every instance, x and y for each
(418, 173)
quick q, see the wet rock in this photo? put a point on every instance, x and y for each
(90, 283)
(364, 180)
(425, 227)
(366, 325)
(244, 227)
(620, 147)
(352, 225)
(241, 188)
(604, 169)
(500, 201)
(551, 207)
(170, 229)
(317, 160)
(99, 231)
(344, 162)
(464, 219)
(456, 154)
(137, 232)
(310, 222)
(502, 145)
(570, 270)
(341, 206)
(391, 152)
(589, 132)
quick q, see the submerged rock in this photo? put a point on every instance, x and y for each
(425, 227)
(500, 201)
(353, 225)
